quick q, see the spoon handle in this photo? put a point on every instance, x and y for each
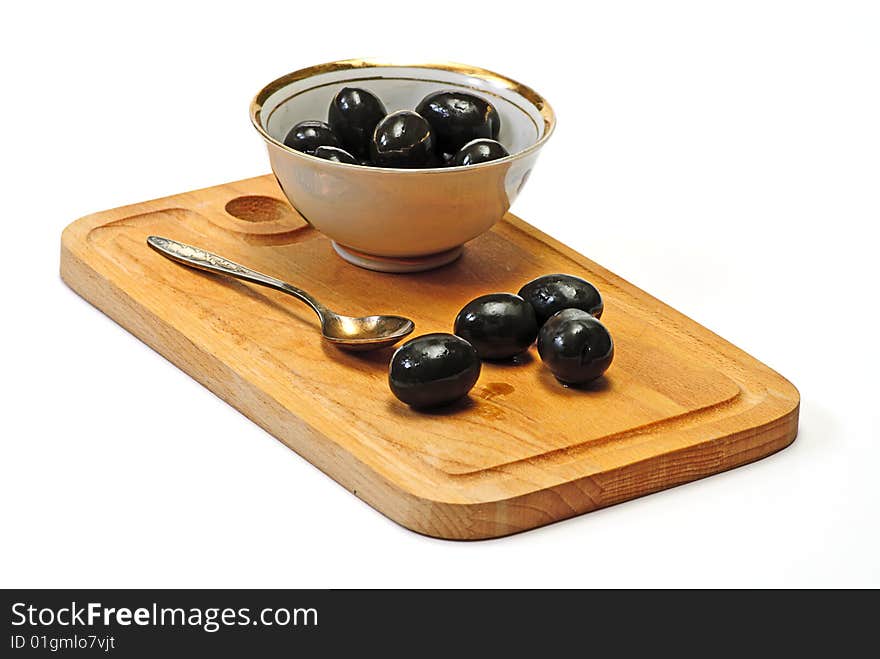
(196, 257)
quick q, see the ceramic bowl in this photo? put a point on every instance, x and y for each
(400, 220)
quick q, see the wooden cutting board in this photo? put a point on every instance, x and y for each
(677, 404)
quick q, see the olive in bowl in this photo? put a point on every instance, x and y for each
(552, 293)
(457, 118)
(477, 151)
(403, 140)
(499, 325)
(433, 369)
(575, 346)
(306, 136)
(353, 116)
(335, 154)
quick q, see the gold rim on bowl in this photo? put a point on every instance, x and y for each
(526, 92)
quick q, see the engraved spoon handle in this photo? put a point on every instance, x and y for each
(196, 257)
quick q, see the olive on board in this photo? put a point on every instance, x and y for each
(575, 346)
(353, 116)
(433, 369)
(552, 293)
(336, 155)
(477, 151)
(457, 118)
(499, 325)
(306, 136)
(403, 140)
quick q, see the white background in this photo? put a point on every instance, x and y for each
(724, 156)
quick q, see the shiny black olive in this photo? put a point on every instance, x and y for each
(307, 136)
(433, 369)
(353, 116)
(457, 118)
(477, 151)
(575, 346)
(499, 326)
(437, 160)
(494, 121)
(552, 293)
(403, 140)
(336, 155)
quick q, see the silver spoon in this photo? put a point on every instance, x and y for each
(364, 333)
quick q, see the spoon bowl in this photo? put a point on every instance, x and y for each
(366, 332)
(346, 332)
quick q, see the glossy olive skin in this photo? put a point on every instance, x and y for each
(353, 116)
(477, 151)
(433, 369)
(306, 136)
(499, 325)
(336, 155)
(552, 293)
(403, 140)
(575, 346)
(457, 118)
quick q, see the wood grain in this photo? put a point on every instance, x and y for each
(678, 403)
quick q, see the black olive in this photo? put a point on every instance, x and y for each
(494, 121)
(335, 154)
(403, 140)
(433, 369)
(499, 326)
(477, 151)
(575, 346)
(307, 136)
(552, 293)
(437, 160)
(353, 116)
(457, 118)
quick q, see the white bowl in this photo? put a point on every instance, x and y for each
(400, 220)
